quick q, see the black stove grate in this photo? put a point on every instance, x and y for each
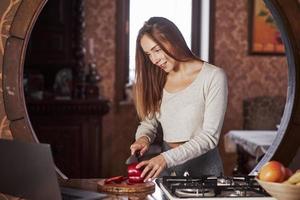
(210, 186)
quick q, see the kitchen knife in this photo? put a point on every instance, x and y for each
(132, 159)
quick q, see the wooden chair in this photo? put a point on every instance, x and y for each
(263, 112)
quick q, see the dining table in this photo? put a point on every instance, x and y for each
(250, 146)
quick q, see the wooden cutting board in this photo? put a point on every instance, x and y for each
(124, 188)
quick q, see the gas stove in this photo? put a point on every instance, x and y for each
(210, 187)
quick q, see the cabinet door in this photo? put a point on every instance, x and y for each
(73, 128)
(51, 39)
(66, 145)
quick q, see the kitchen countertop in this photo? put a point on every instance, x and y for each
(91, 185)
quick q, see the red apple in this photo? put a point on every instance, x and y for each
(272, 171)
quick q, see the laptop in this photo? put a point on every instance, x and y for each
(27, 171)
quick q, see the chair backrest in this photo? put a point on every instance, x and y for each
(263, 112)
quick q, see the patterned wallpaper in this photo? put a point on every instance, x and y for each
(7, 11)
(248, 75)
(100, 44)
(100, 41)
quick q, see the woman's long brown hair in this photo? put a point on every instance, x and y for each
(150, 79)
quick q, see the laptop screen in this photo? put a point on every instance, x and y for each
(27, 170)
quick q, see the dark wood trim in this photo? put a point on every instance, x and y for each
(79, 70)
(91, 107)
(25, 17)
(196, 27)
(122, 51)
(12, 93)
(212, 22)
(250, 21)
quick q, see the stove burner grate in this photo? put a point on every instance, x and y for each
(210, 186)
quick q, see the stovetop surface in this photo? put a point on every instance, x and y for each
(211, 187)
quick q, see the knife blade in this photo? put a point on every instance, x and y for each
(132, 159)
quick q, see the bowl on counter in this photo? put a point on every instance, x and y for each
(281, 191)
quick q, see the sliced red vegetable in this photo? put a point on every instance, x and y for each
(115, 179)
(135, 179)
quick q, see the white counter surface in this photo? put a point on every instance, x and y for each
(255, 142)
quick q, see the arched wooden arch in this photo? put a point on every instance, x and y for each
(285, 12)
(13, 64)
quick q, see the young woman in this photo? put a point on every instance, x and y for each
(186, 95)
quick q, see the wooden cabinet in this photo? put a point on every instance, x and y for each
(52, 35)
(56, 43)
(73, 129)
(54, 67)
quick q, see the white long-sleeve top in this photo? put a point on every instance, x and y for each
(193, 115)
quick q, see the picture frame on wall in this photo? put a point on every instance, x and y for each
(263, 35)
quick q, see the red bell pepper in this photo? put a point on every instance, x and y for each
(135, 179)
(133, 171)
(134, 174)
(115, 179)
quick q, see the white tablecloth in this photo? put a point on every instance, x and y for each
(255, 142)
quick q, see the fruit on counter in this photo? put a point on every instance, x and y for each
(272, 171)
(115, 179)
(134, 174)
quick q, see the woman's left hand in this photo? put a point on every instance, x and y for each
(152, 167)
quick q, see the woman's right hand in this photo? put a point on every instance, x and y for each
(141, 145)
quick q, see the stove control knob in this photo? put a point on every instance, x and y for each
(186, 173)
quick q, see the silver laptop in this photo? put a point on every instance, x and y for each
(27, 171)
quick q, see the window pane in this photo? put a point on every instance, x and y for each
(178, 11)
